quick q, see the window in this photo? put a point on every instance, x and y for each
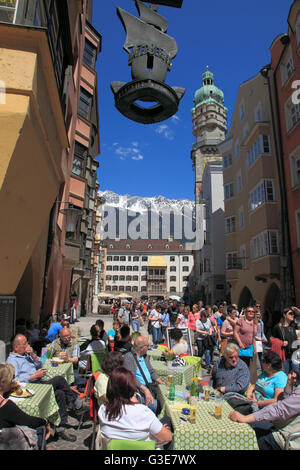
(173, 278)
(185, 278)
(144, 258)
(79, 160)
(172, 258)
(116, 258)
(228, 191)
(292, 114)
(264, 192)
(167, 247)
(264, 244)
(237, 149)
(242, 110)
(149, 247)
(122, 268)
(144, 268)
(108, 268)
(111, 246)
(89, 54)
(173, 269)
(227, 160)
(185, 269)
(231, 260)
(135, 258)
(230, 225)
(295, 167)
(239, 181)
(258, 113)
(128, 278)
(135, 289)
(135, 278)
(241, 217)
(185, 258)
(172, 289)
(108, 278)
(243, 256)
(115, 278)
(122, 258)
(115, 268)
(135, 268)
(261, 145)
(287, 66)
(121, 278)
(207, 265)
(246, 130)
(128, 248)
(85, 104)
(109, 258)
(121, 288)
(128, 268)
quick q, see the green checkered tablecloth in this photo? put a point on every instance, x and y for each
(42, 404)
(154, 354)
(65, 370)
(182, 375)
(208, 433)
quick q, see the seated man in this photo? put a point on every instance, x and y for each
(66, 347)
(139, 364)
(55, 328)
(275, 422)
(28, 368)
(124, 344)
(230, 374)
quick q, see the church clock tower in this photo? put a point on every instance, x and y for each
(209, 127)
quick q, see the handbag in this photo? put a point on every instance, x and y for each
(246, 352)
(151, 386)
(259, 347)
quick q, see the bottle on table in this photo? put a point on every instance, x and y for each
(172, 390)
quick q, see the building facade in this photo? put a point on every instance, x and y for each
(251, 200)
(42, 48)
(147, 268)
(283, 78)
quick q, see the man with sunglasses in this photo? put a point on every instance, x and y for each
(230, 373)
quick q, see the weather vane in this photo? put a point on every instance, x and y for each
(147, 99)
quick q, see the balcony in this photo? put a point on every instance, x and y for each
(53, 16)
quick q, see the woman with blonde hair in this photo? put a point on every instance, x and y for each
(10, 414)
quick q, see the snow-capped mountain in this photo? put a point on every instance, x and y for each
(151, 217)
(142, 204)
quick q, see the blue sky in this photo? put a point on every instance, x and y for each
(232, 37)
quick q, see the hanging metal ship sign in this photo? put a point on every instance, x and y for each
(147, 99)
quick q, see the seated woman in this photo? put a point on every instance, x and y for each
(267, 389)
(124, 343)
(180, 346)
(109, 363)
(10, 414)
(271, 383)
(123, 417)
(91, 346)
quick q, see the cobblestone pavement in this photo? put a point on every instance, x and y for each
(84, 434)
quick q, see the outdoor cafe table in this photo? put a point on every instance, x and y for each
(42, 404)
(64, 370)
(208, 432)
(182, 375)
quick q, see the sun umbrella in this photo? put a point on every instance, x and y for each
(176, 297)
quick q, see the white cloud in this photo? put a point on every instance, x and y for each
(165, 131)
(175, 118)
(138, 157)
(132, 152)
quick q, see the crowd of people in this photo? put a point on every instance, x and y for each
(251, 365)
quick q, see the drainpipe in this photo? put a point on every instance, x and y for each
(288, 293)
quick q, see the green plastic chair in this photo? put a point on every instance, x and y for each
(122, 444)
(96, 360)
